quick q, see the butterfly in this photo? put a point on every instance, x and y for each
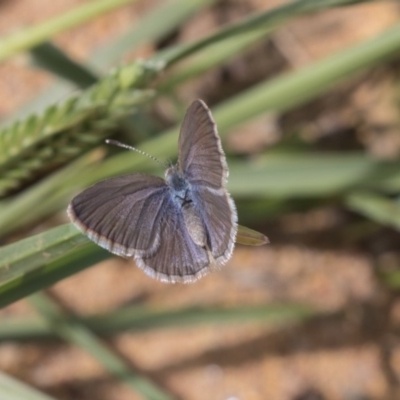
(176, 229)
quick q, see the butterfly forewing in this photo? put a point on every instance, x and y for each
(203, 163)
(201, 157)
(122, 214)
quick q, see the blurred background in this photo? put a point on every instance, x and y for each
(307, 104)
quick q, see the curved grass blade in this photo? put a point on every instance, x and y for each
(152, 26)
(12, 389)
(304, 174)
(77, 333)
(54, 60)
(376, 207)
(39, 261)
(27, 255)
(210, 57)
(138, 319)
(268, 19)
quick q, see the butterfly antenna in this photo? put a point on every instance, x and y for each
(125, 146)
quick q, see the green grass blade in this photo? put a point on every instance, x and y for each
(54, 60)
(26, 255)
(148, 27)
(210, 57)
(375, 207)
(39, 261)
(30, 37)
(269, 19)
(137, 319)
(154, 25)
(301, 175)
(12, 389)
(293, 89)
(75, 332)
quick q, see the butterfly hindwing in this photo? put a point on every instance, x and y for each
(178, 258)
(218, 213)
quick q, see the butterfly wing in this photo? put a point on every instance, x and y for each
(178, 258)
(203, 163)
(200, 152)
(122, 214)
(218, 213)
(134, 216)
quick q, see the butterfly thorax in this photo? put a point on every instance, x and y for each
(177, 182)
(183, 198)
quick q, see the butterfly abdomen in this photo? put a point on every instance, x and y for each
(194, 224)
